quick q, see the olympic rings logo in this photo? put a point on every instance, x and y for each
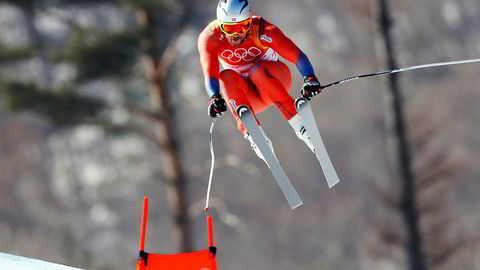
(241, 54)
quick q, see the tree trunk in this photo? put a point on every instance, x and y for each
(166, 133)
(408, 202)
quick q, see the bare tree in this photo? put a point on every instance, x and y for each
(158, 58)
(403, 155)
(156, 69)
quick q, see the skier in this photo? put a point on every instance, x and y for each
(248, 47)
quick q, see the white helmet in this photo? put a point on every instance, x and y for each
(232, 11)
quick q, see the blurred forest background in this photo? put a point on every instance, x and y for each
(102, 102)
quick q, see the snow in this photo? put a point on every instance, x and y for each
(12, 262)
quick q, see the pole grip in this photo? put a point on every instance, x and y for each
(144, 224)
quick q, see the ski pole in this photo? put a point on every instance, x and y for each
(207, 200)
(467, 61)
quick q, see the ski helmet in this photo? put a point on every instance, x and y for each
(232, 11)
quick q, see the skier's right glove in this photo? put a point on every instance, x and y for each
(311, 87)
(216, 106)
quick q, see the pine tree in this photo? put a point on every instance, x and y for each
(98, 54)
(59, 103)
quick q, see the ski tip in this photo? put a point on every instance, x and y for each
(242, 109)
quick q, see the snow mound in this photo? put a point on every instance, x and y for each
(12, 262)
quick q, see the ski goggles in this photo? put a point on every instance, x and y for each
(238, 28)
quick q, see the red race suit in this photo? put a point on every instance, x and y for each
(252, 74)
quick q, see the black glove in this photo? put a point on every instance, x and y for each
(311, 87)
(216, 106)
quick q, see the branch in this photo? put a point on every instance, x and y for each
(155, 116)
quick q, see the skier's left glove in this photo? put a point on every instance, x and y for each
(311, 87)
(216, 106)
